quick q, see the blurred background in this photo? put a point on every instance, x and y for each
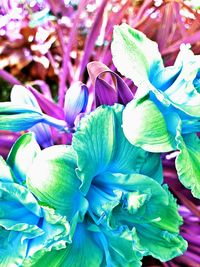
(48, 44)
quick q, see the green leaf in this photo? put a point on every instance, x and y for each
(145, 126)
(56, 184)
(134, 55)
(188, 162)
(22, 155)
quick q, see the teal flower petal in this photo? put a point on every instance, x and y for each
(100, 139)
(152, 211)
(93, 142)
(18, 117)
(10, 254)
(83, 251)
(22, 155)
(188, 162)
(130, 50)
(56, 185)
(145, 126)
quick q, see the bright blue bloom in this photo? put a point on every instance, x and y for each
(111, 193)
(165, 114)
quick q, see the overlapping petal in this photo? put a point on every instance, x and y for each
(56, 184)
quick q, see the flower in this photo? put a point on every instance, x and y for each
(165, 113)
(123, 214)
(27, 229)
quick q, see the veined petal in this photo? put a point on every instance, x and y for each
(188, 162)
(134, 55)
(56, 184)
(93, 142)
(83, 251)
(22, 155)
(145, 126)
(24, 209)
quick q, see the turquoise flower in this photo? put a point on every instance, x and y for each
(165, 114)
(110, 191)
(27, 229)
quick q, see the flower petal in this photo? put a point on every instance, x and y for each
(145, 126)
(134, 55)
(93, 142)
(18, 117)
(153, 211)
(22, 155)
(188, 162)
(84, 251)
(56, 183)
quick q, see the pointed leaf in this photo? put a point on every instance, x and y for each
(56, 185)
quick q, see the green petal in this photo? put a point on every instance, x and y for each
(130, 50)
(121, 246)
(6, 173)
(83, 252)
(53, 180)
(126, 157)
(93, 143)
(22, 155)
(100, 139)
(188, 162)
(145, 126)
(153, 211)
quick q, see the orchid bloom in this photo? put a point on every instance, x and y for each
(165, 113)
(109, 191)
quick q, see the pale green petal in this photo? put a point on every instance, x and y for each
(188, 162)
(22, 155)
(53, 180)
(134, 55)
(145, 126)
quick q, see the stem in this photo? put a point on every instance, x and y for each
(9, 78)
